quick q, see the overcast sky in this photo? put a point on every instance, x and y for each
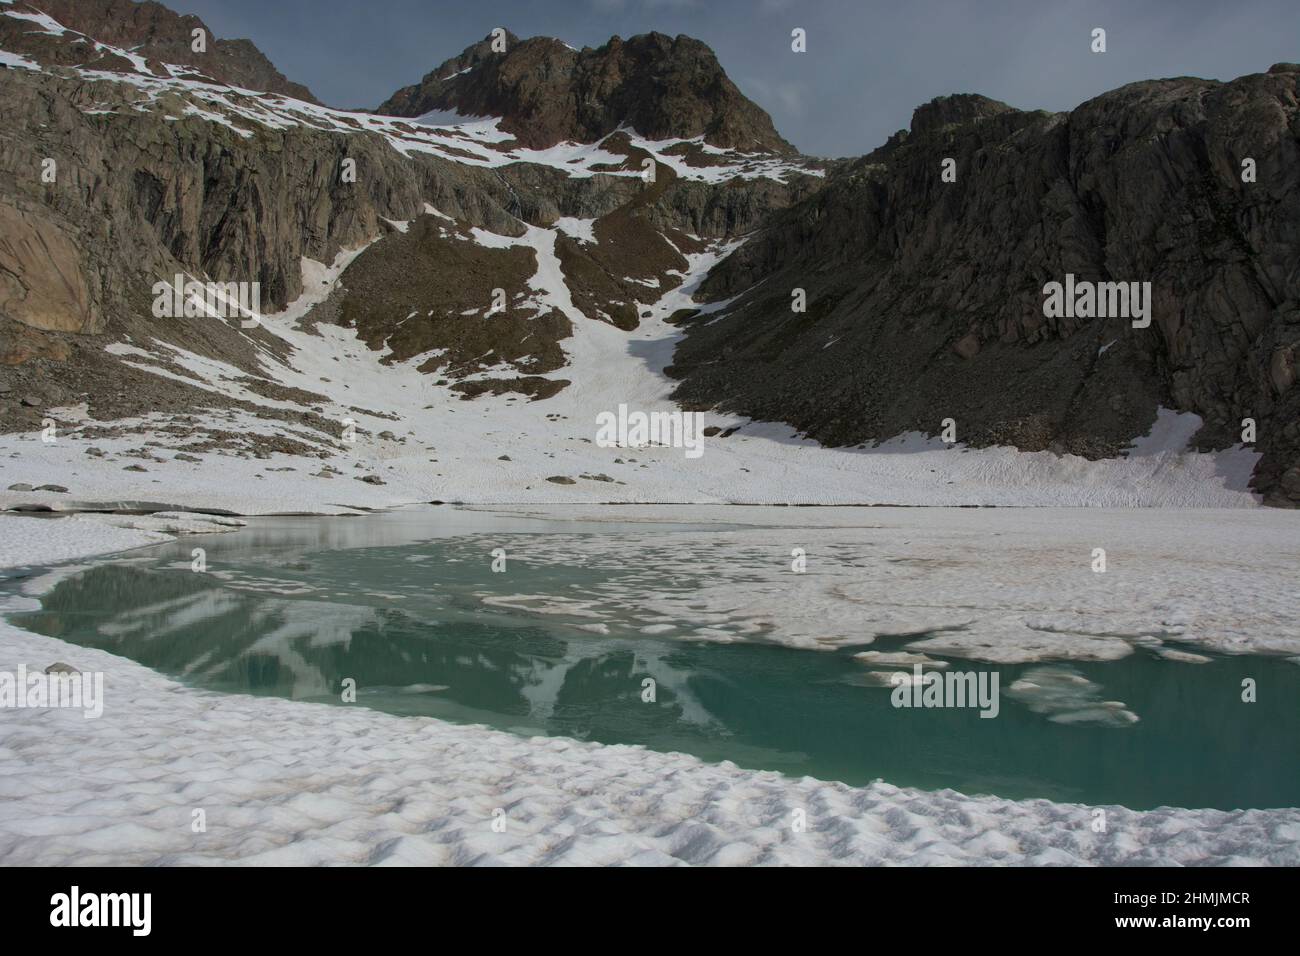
(868, 64)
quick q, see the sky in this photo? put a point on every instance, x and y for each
(868, 64)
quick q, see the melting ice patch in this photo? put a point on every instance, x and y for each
(1171, 432)
(1067, 697)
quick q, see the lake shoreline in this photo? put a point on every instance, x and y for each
(367, 787)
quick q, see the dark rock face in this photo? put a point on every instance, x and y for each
(548, 93)
(956, 110)
(148, 30)
(925, 297)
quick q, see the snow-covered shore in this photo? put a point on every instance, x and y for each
(282, 782)
(285, 782)
(39, 541)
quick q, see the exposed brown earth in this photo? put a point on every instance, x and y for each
(533, 386)
(394, 285)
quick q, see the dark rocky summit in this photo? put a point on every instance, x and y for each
(547, 92)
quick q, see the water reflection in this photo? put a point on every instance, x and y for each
(766, 707)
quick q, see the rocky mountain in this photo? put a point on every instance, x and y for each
(124, 36)
(552, 254)
(114, 180)
(925, 297)
(547, 92)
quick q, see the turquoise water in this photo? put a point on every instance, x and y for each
(405, 620)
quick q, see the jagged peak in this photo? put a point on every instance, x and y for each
(546, 91)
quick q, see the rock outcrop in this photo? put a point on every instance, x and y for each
(42, 283)
(547, 92)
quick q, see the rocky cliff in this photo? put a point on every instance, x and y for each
(126, 161)
(925, 297)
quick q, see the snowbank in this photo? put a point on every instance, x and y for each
(31, 542)
(38, 541)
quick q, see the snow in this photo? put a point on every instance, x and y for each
(1172, 432)
(30, 542)
(124, 348)
(473, 125)
(289, 782)
(1067, 697)
(174, 522)
(581, 229)
(15, 60)
(742, 165)
(548, 280)
(49, 26)
(134, 58)
(213, 117)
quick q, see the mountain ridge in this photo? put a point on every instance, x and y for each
(146, 35)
